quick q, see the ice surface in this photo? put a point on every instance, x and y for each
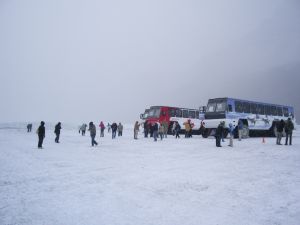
(140, 182)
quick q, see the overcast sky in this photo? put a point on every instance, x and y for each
(75, 61)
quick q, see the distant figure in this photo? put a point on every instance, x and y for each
(114, 128)
(161, 131)
(165, 128)
(187, 127)
(289, 127)
(174, 127)
(240, 129)
(177, 129)
(83, 129)
(136, 130)
(108, 127)
(57, 132)
(41, 134)
(202, 128)
(155, 131)
(29, 127)
(279, 126)
(222, 135)
(231, 130)
(92, 129)
(146, 129)
(218, 134)
(102, 128)
(120, 130)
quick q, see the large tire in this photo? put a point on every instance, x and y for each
(206, 133)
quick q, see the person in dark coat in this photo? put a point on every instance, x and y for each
(41, 134)
(177, 130)
(114, 128)
(289, 127)
(92, 129)
(29, 127)
(218, 134)
(280, 126)
(57, 132)
(155, 131)
(146, 129)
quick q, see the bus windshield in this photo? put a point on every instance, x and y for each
(153, 113)
(216, 106)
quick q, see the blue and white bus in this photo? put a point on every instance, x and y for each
(259, 119)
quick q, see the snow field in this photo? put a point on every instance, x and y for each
(127, 181)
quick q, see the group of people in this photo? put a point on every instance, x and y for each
(286, 126)
(160, 129)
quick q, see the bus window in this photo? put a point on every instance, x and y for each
(211, 107)
(268, 110)
(192, 114)
(221, 107)
(172, 112)
(185, 114)
(246, 107)
(154, 112)
(229, 108)
(273, 110)
(285, 112)
(178, 113)
(279, 111)
(260, 109)
(253, 108)
(238, 106)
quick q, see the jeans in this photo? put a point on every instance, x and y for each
(93, 140)
(288, 136)
(114, 133)
(57, 137)
(41, 139)
(279, 136)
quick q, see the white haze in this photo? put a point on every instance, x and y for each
(109, 60)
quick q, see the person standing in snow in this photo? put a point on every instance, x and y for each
(29, 127)
(83, 129)
(177, 129)
(92, 129)
(289, 127)
(41, 134)
(218, 134)
(165, 127)
(155, 131)
(102, 127)
(57, 131)
(161, 130)
(136, 130)
(114, 128)
(146, 129)
(279, 126)
(120, 130)
(231, 130)
(240, 129)
(187, 127)
(108, 127)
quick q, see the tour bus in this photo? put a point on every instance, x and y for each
(172, 114)
(259, 119)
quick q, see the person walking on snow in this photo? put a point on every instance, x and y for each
(57, 131)
(102, 127)
(136, 130)
(279, 126)
(114, 128)
(108, 127)
(92, 129)
(289, 127)
(83, 129)
(120, 130)
(218, 134)
(161, 131)
(41, 134)
(177, 130)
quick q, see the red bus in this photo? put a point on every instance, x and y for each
(171, 114)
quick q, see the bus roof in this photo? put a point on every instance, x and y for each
(235, 99)
(158, 106)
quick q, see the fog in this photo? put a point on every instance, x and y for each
(75, 61)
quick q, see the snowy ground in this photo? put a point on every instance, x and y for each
(128, 182)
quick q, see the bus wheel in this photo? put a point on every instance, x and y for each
(206, 133)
